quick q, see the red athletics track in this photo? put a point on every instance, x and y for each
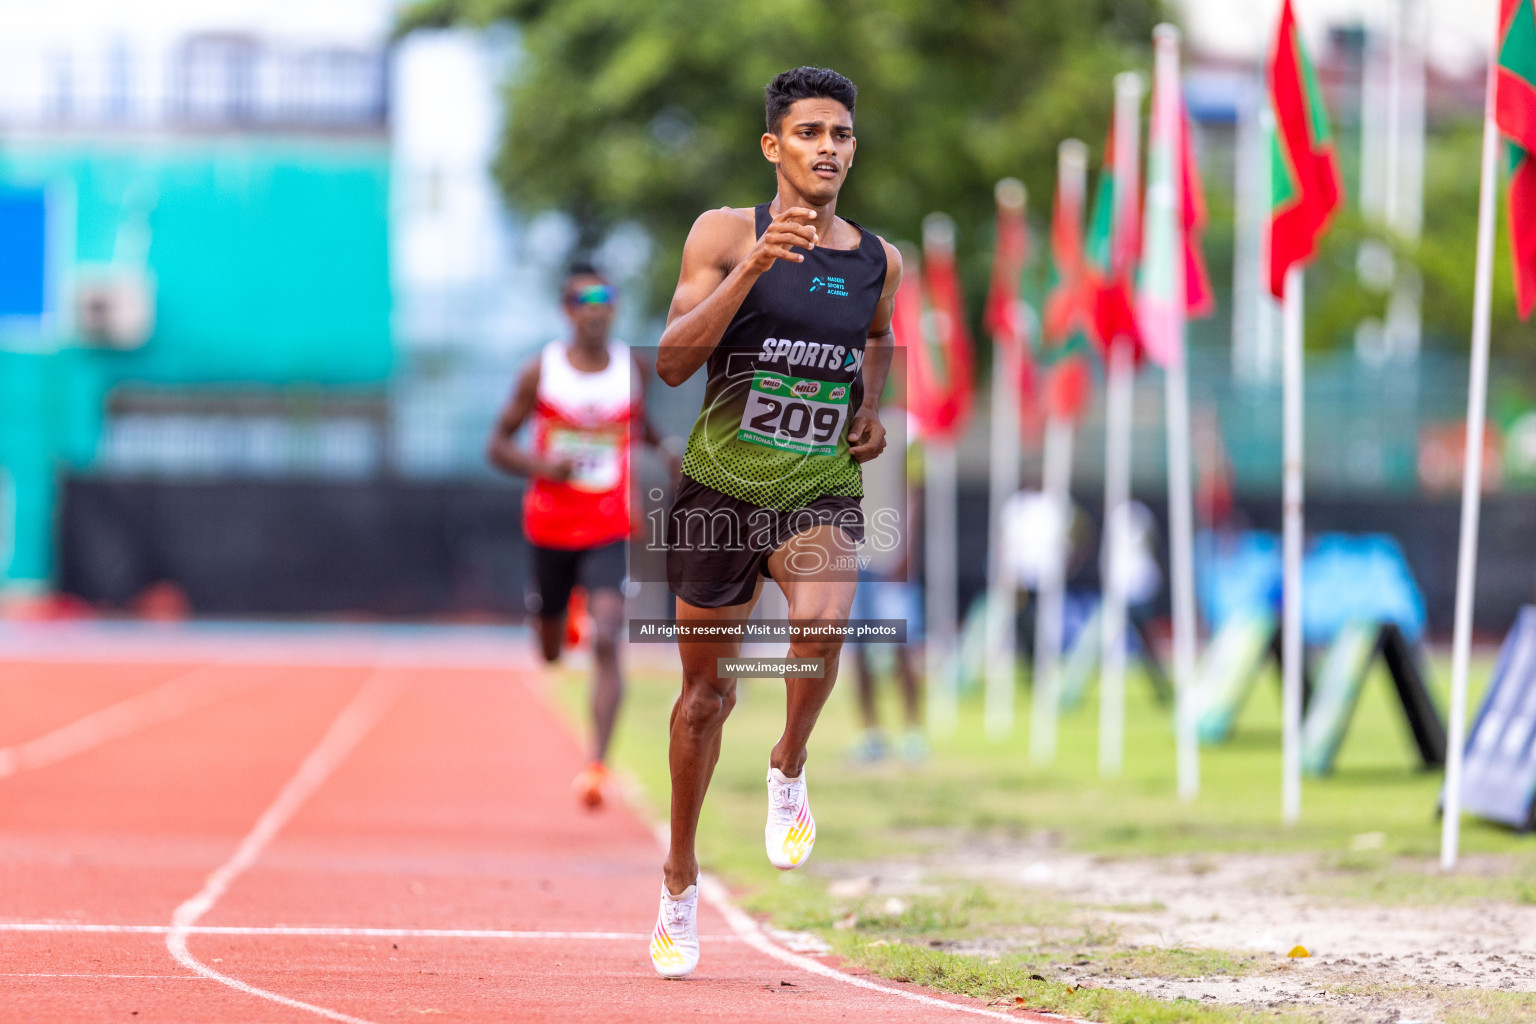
(353, 824)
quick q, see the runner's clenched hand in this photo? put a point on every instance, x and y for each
(866, 436)
(558, 470)
(792, 227)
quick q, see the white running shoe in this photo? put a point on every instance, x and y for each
(675, 942)
(791, 831)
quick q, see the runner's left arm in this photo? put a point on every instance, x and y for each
(866, 434)
(503, 451)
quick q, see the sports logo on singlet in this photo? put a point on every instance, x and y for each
(810, 353)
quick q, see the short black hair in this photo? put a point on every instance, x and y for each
(583, 268)
(805, 84)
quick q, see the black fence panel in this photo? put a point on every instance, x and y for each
(382, 548)
(413, 548)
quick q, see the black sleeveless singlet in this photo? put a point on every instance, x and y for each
(786, 378)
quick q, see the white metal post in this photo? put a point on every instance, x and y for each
(1119, 395)
(1003, 481)
(1471, 484)
(1118, 398)
(1056, 482)
(1181, 520)
(1291, 639)
(940, 585)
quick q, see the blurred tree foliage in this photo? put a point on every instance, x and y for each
(1445, 256)
(651, 111)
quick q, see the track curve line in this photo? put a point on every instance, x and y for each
(366, 708)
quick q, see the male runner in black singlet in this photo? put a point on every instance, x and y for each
(789, 307)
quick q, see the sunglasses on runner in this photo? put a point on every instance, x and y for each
(591, 295)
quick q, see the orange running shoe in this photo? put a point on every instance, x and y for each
(590, 783)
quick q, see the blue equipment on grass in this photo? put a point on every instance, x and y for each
(1345, 667)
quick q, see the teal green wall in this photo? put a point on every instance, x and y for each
(271, 257)
(271, 263)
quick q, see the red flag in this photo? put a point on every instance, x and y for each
(939, 348)
(1306, 186)
(1004, 317)
(1200, 299)
(1068, 388)
(1069, 307)
(1113, 250)
(1515, 113)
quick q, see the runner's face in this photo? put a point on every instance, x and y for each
(814, 147)
(589, 307)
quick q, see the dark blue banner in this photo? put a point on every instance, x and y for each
(1499, 780)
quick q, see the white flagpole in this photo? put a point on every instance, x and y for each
(1003, 481)
(941, 580)
(1471, 482)
(1291, 645)
(939, 538)
(1056, 483)
(1119, 396)
(1181, 519)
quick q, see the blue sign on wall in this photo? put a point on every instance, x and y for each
(1500, 775)
(23, 242)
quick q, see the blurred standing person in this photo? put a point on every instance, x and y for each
(887, 591)
(585, 398)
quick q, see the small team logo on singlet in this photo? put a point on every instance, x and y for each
(834, 286)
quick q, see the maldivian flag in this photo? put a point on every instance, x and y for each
(1515, 113)
(932, 327)
(1199, 296)
(1069, 305)
(1305, 174)
(1069, 308)
(1111, 260)
(1004, 316)
(1174, 285)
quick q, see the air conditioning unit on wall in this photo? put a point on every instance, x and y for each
(114, 306)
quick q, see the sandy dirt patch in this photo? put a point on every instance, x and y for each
(1369, 962)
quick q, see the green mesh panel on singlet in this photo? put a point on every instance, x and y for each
(782, 480)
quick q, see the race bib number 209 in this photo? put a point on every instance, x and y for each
(794, 414)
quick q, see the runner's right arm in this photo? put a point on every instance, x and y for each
(715, 278)
(503, 451)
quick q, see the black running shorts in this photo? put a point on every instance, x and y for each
(556, 571)
(718, 546)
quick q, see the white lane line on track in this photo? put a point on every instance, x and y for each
(157, 977)
(748, 931)
(369, 705)
(326, 931)
(171, 699)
